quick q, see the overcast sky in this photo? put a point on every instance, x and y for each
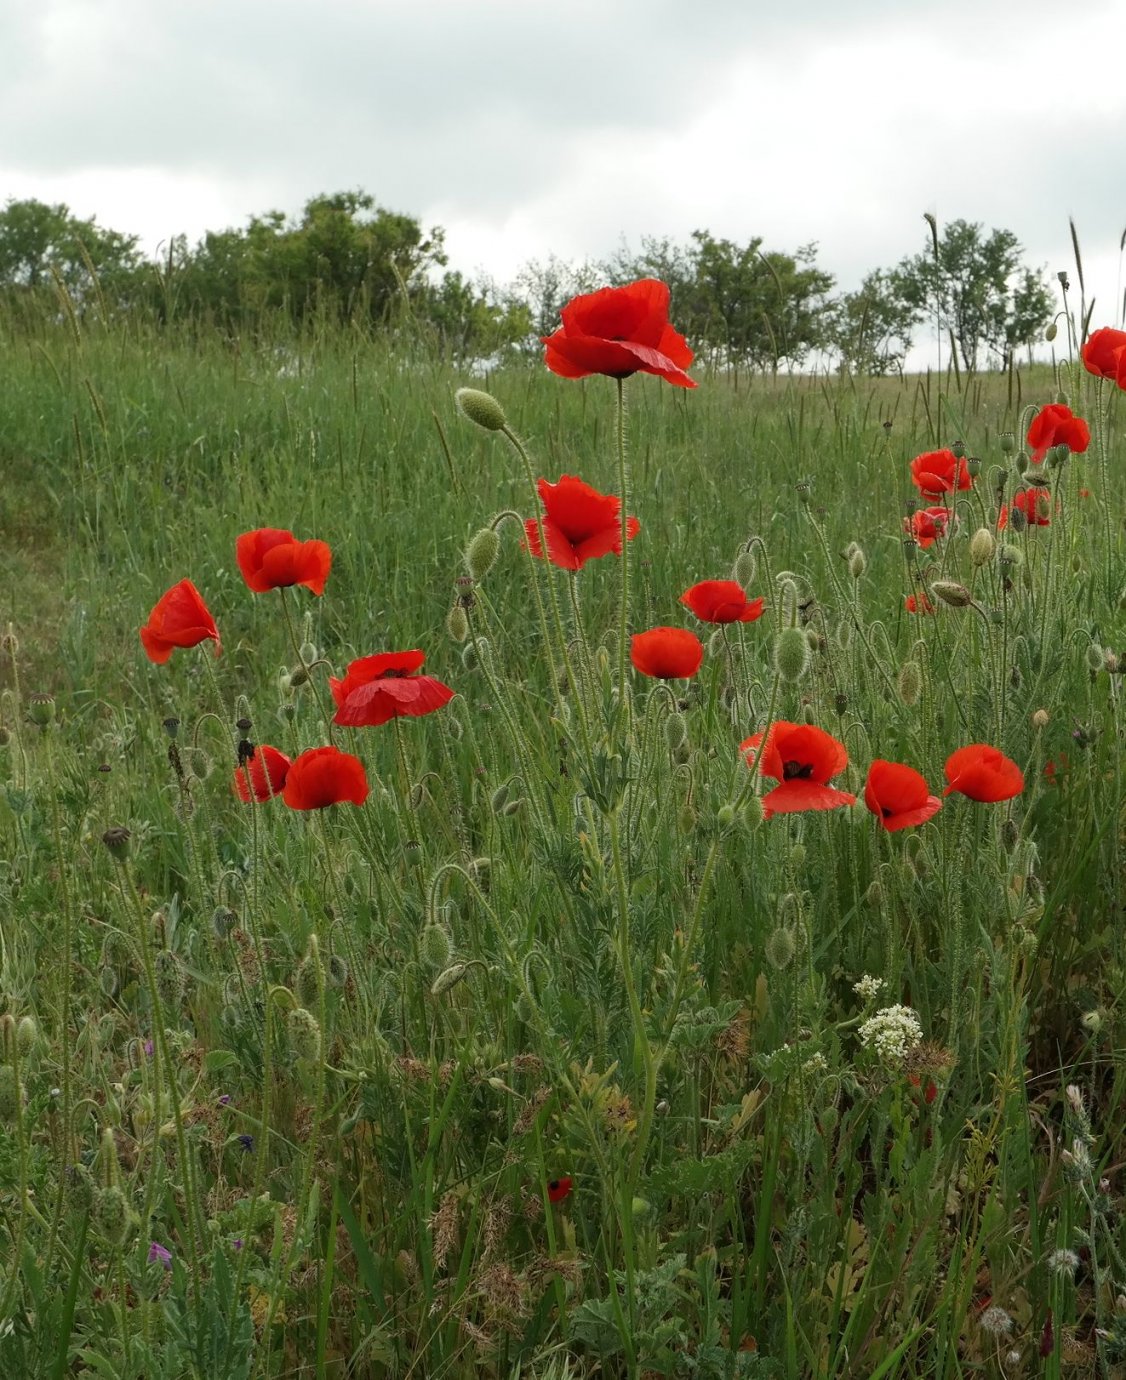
(527, 127)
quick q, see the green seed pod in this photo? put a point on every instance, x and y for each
(434, 945)
(287, 712)
(41, 709)
(481, 408)
(743, 571)
(457, 623)
(224, 921)
(676, 731)
(958, 449)
(1008, 442)
(780, 948)
(482, 552)
(117, 841)
(973, 466)
(952, 593)
(448, 979)
(791, 654)
(983, 545)
(304, 1034)
(857, 564)
(910, 682)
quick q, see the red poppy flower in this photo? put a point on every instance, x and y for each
(579, 523)
(926, 525)
(325, 776)
(1035, 504)
(558, 1189)
(983, 773)
(1057, 425)
(939, 472)
(666, 653)
(1102, 352)
(620, 331)
(918, 604)
(721, 601)
(179, 618)
(267, 770)
(1055, 767)
(382, 687)
(898, 796)
(272, 558)
(802, 759)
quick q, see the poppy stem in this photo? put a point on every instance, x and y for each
(623, 494)
(306, 669)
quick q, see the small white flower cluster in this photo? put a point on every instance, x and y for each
(815, 1064)
(892, 1032)
(868, 988)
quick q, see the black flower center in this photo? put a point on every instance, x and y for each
(797, 771)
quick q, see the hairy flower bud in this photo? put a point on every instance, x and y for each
(780, 948)
(983, 545)
(743, 571)
(457, 623)
(791, 654)
(910, 682)
(676, 731)
(448, 979)
(857, 563)
(434, 944)
(482, 552)
(304, 1034)
(952, 593)
(481, 408)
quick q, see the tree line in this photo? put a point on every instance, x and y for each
(347, 259)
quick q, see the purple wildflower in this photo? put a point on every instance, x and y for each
(161, 1253)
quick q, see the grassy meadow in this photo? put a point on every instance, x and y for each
(550, 1059)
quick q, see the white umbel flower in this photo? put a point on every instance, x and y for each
(868, 988)
(892, 1032)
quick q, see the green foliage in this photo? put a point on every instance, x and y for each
(871, 327)
(973, 285)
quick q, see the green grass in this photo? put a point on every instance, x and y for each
(546, 947)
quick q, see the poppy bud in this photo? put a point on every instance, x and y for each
(676, 731)
(744, 569)
(457, 623)
(448, 979)
(337, 971)
(304, 1034)
(791, 654)
(41, 709)
(514, 806)
(874, 896)
(952, 593)
(481, 408)
(308, 653)
(482, 552)
(296, 678)
(910, 682)
(641, 1209)
(116, 840)
(1050, 333)
(797, 857)
(1007, 442)
(80, 1187)
(1018, 519)
(112, 1213)
(788, 601)
(754, 812)
(1010, 835)
(958, 449)
(1020, 464)
(171, 980)
(725, 816)
(780, 948)
(982, 547)
(310, 975)
(434, 944)
(9, 643)
(1040, 719)
(1095, 658)
(686, 818)
(27, 1032)
(1092, 1021)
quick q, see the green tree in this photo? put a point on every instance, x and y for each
(754, 307)
(871, 327)
(39, 243)
(974, 286)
